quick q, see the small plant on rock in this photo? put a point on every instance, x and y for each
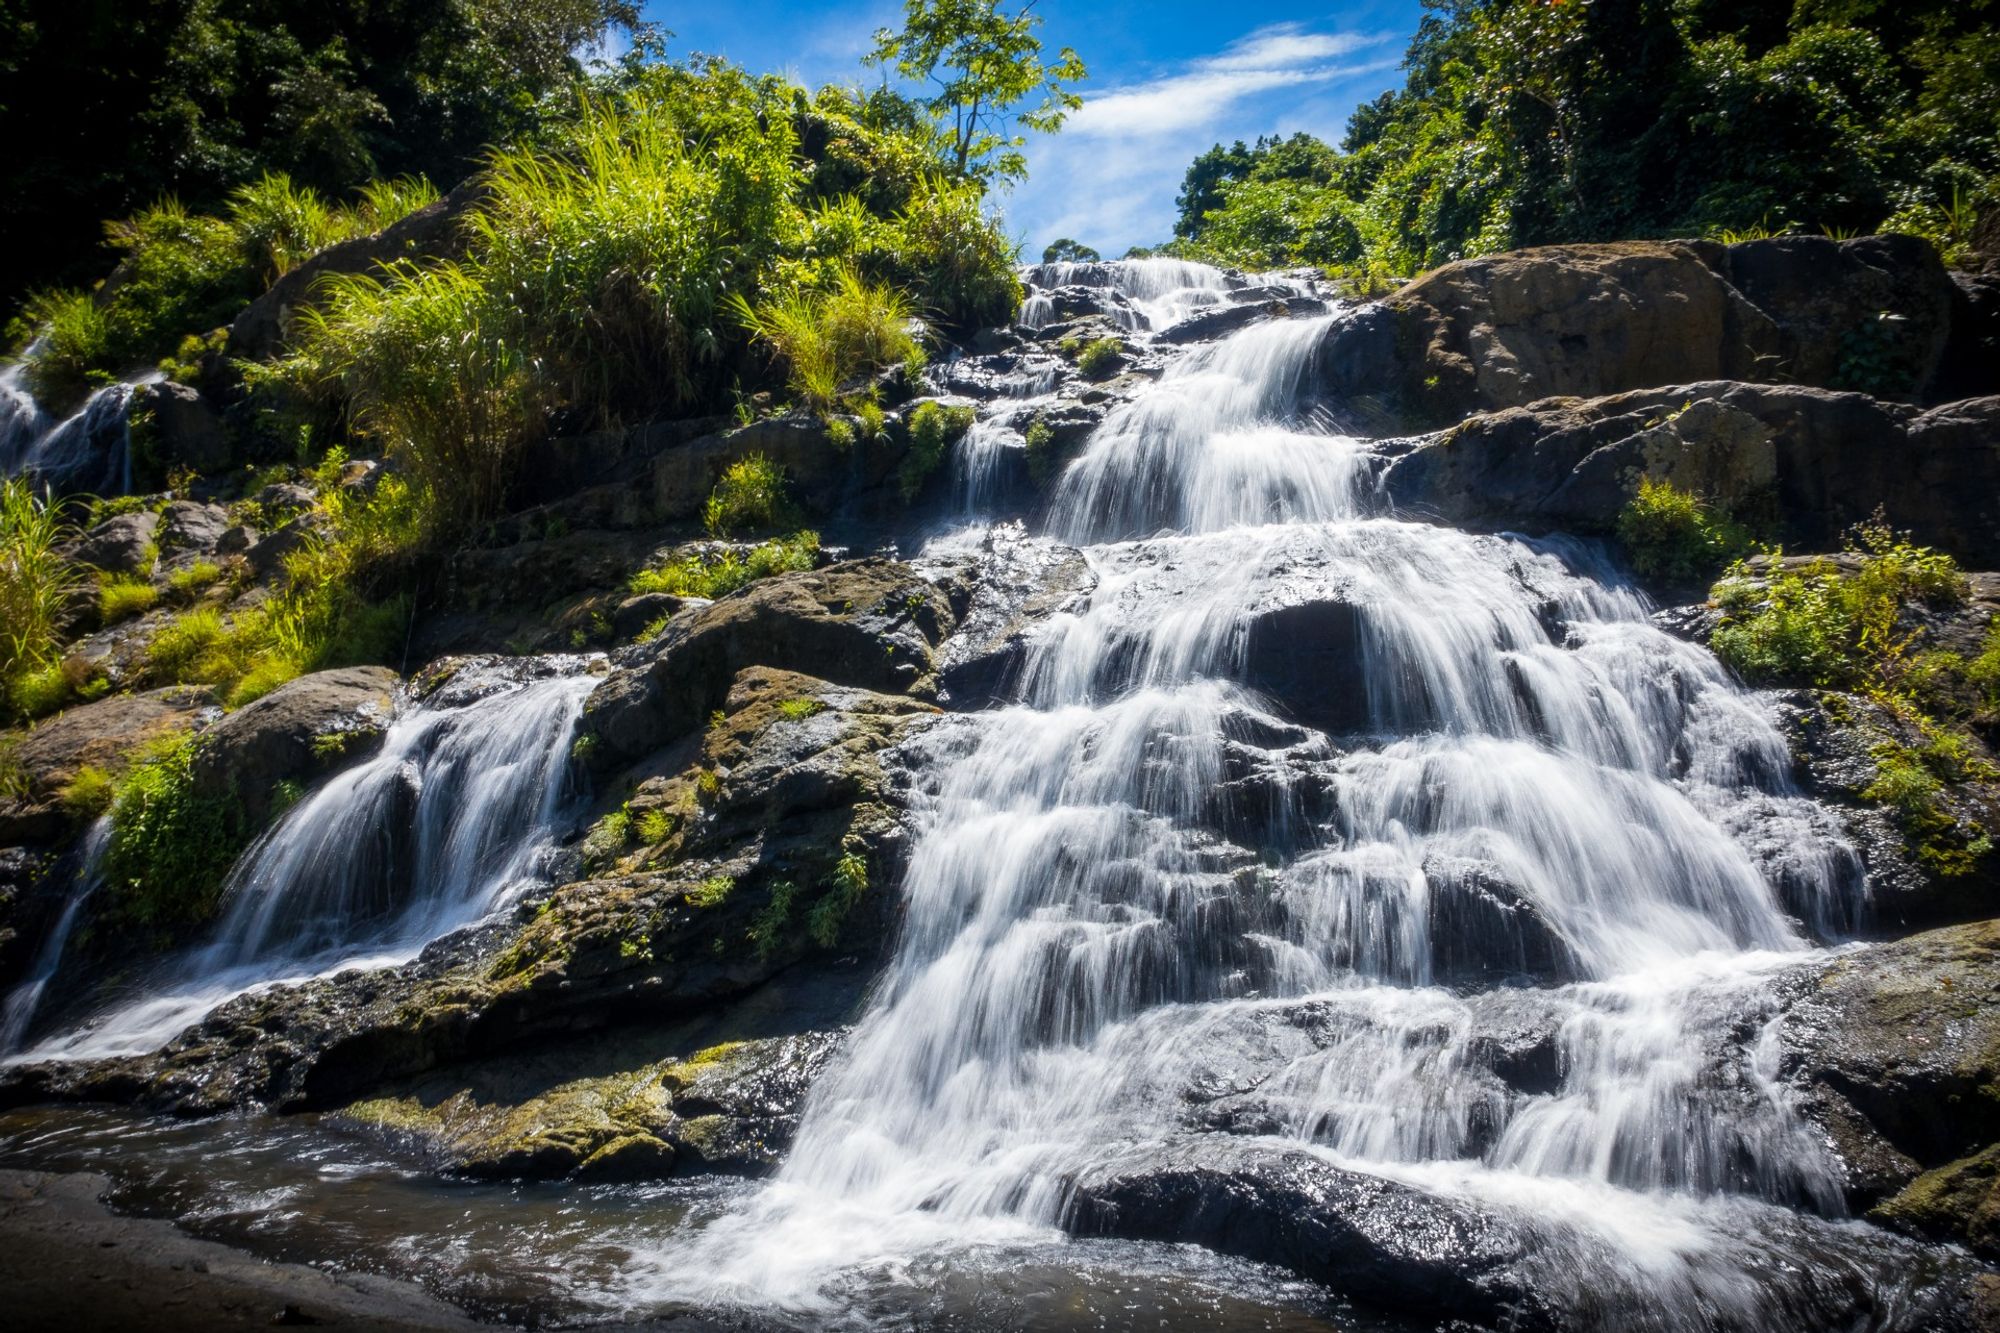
(1669, 534)
(933, 426)
(1100, 358)
(750, 495)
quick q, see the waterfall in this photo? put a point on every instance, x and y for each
(26, 998)
(1155, 293)
(1145, 888)
(449, 821)
(90, 450)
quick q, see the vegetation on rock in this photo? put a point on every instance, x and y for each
(1670, 534)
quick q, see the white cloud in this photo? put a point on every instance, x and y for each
(1109, 179)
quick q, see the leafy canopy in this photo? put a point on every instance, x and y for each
(984, 63)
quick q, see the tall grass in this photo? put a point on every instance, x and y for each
(428, 365)
(37, 585)
(828, 337)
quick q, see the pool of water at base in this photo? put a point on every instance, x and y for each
(311, 1189)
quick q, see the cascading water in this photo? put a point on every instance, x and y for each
(22, 1002)
(89, 450)
(1146, 908)
(446, 823)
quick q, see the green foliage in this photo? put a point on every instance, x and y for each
(750, 495)
(122, 596)
(198, 99)
(186, 583)
(845, 887)
(1526, 123)
(1860, 631)
(711, 892)
(39, 690)
(1820, 626)
(718, 573)
(90, 793)
(829, 336)
(798, 710)
(984, 63)
(37, 588)
(655, 827)
(621, 265)
(932, 427)
(1100, 357)
(1670, 534)
(171, 845)
(1067, 251)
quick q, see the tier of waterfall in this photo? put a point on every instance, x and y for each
(1520, 807)
(450, 820)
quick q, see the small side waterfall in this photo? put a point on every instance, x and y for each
(22, 1002)
(90, 450)
(448, 822)
(1147, 907)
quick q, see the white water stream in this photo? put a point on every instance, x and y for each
(1104, 952)
(441, 827)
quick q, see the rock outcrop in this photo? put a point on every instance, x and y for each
(299, 731)
(1809, 462)
(1586, 321)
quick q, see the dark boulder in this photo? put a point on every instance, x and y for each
(1484, 930)
(867, 623)
(1808, 463)
(191, 528)
(180, 429)
(1379, 1242)
(299, 731)
(123, 544)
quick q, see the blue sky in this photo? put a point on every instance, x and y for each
(1167, 79)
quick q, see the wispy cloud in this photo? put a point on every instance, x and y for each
(1110, 177)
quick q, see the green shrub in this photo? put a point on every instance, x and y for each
(1670, 534)
(280, 225)
(423, 360)
(90, 793)
(186, 583)
(655, 827)
(798, 710)
(723, 572)
(932, 427)
(171, 846)
(1041, 450)
(72, 349)
(945, 248)
(1100, 357)
(37, 587)
(122, 596)
(750, 495)
(39, 690)
(828, 337)
(711, 892)
(840, 433)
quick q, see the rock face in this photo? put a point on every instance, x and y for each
(103, 735)
(300, 730)
(1895, 1053)
(867, 623)
(182, 430)
(1587, 321)
(123, 544)
(1814, 461)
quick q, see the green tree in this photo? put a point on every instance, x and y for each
(1067, 251)
(983, 63)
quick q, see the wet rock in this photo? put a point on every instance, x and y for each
(1378, 1242)
(299, 731)
(1223, 320)
(1485, 931)
(1834, 740)
(634, 614)
(868, 623)
(1894, 1052)
(1959, 1203)
(120, 545)
(1014, 586)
